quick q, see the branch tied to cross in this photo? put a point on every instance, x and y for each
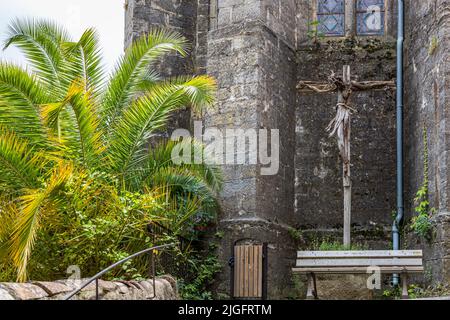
(340, 126)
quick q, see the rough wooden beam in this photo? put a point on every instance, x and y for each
(316, 87)
(373, 85)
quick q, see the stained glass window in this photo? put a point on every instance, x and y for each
(370, 17)
(331, 17)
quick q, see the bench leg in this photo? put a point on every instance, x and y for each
(312, 287)
(405, 294)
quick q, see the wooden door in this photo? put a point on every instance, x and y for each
(248, 271)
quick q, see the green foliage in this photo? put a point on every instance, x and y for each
(428, 274)
(203, 271)
(220, 234)
(393, 293)
(422, 224)
(417, 292)
(394, 214)
(78, 182)
(327, 245)
(295, 234)
(298, 289)
(313, 33)
(437, 290)
(414, 292)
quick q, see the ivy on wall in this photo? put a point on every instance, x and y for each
(422, 224)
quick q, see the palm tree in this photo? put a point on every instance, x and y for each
(64, 118)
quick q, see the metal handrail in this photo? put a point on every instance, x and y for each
(101, 273)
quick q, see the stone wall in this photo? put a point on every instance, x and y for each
(251, 53)
(188, 17)
(165, 289)
(427, 106)
(141, 16)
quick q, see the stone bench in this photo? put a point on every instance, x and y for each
(358, 262)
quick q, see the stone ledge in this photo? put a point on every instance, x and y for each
(4, 294)
(24, 291)
(165, 289)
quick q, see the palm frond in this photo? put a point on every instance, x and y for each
(20, 166)
(20, 97)
(85, 138)
(133, 68)
(8, 213)
(149, 114)
(88, 124)
(199, 91)
(164, 156)
(34, 205)
(181, 179)
(40, 41)
(150, 79)
(85, 61)
(177, 214)
(51, 114)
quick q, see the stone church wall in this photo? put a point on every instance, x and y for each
(427, 106)
(177, 15)
(251, 52)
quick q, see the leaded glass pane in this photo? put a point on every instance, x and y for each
(331, 17)
(370, 17)
(364, 5)
(331, 6)
(332, 25)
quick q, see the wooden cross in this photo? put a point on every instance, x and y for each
(340, 126)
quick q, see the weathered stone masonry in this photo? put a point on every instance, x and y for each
(165, 289)
(258, 50)
(252, 55)
(427, 71)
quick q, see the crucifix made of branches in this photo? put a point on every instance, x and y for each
(340, 126)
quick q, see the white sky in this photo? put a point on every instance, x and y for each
(107, 16)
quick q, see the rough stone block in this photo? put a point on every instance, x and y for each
(53, 288)
(25, 291)
(5, 295)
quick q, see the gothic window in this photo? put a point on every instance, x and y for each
(370, 17)
(331, 17)
(338, 18)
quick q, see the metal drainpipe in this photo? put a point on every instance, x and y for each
(400, 203)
